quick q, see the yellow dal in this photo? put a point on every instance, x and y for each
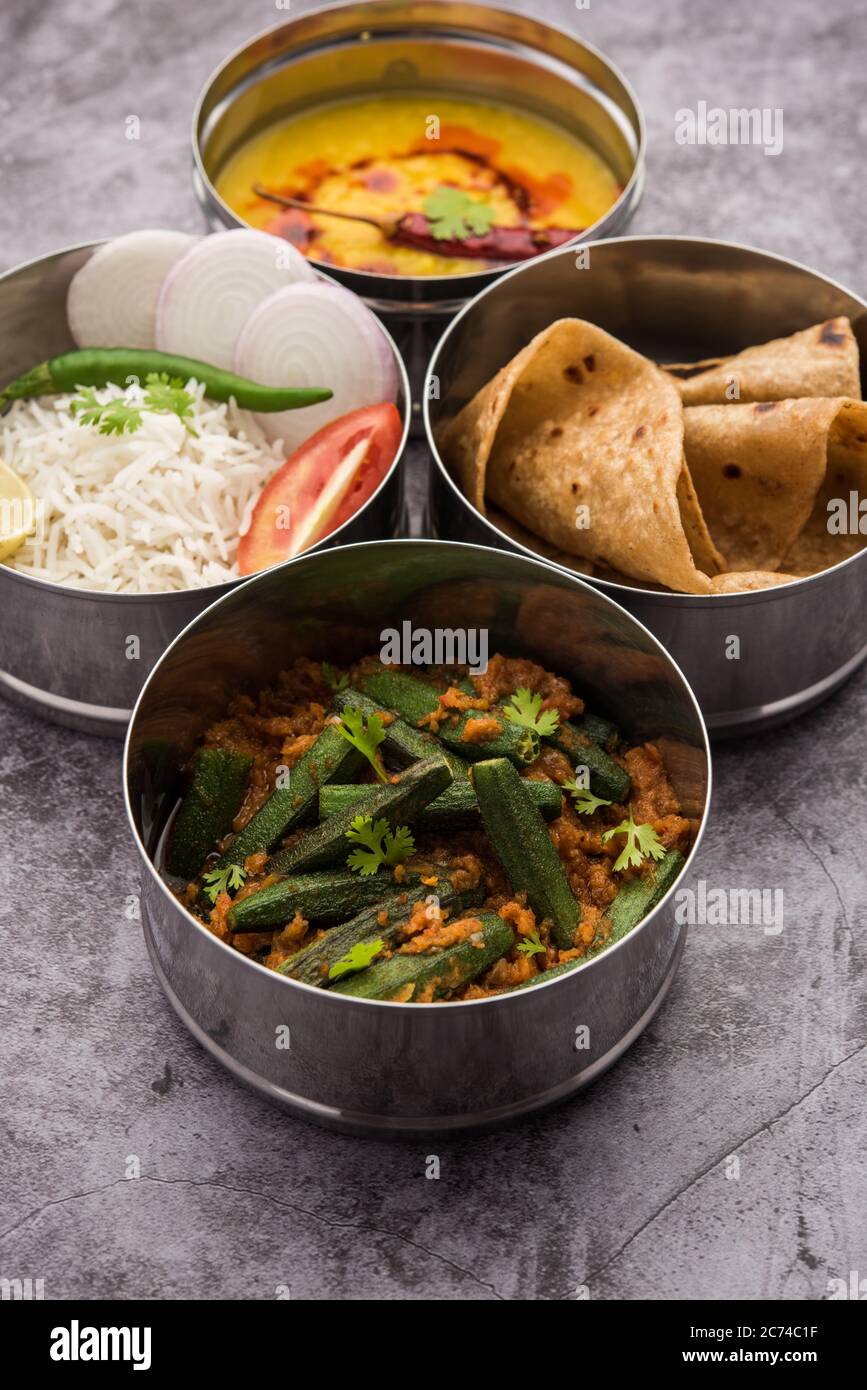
(377, 158)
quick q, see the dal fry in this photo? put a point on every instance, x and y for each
(390, 160)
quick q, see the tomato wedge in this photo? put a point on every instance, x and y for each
(321, 485)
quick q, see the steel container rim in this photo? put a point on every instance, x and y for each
(610, 587)
(336, 1000)
(370, 1124)
(8, 571)
(468, 281)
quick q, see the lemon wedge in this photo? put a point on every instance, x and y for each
(17, 512)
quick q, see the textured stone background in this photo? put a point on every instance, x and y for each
(760, 1050)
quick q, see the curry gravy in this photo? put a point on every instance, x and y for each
(382, 158)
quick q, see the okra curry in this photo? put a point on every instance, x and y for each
(392, 833)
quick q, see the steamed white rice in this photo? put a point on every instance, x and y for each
(160, 509)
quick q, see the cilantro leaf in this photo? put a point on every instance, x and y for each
(167, 396)
(524, 710)
(479, 218)
(641, 841)
(400, 845)
(585, 802)
(365, 738)
(164, 395)
(223, 881)
(86, 405)
(531, 945)
(112, 417)
(454, 216)
(332, 677)
(377, 844)
(358, 957)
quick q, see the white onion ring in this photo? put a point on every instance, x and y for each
(112, 300)
(209, 294)
(316, 335)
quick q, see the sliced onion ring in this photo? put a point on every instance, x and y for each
(112, 300)
(316, 335)
(209, 294)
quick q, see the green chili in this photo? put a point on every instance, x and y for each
(98, 366)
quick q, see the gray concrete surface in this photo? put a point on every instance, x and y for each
(759, 1055)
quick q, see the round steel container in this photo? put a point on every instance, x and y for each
(677, 299)
(66, 653)
(371, 1066)
(377, 46)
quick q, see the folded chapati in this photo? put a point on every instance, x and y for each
(747, 581)
(582, 450)
(762, 471)
(833, 531)
(580, 439)
(819, 361)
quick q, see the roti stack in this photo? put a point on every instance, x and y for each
(705, 478)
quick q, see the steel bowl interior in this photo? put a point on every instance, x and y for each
(675, 299)
(33, 303)
(63, 650)
(336, 606)
(393, 46)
